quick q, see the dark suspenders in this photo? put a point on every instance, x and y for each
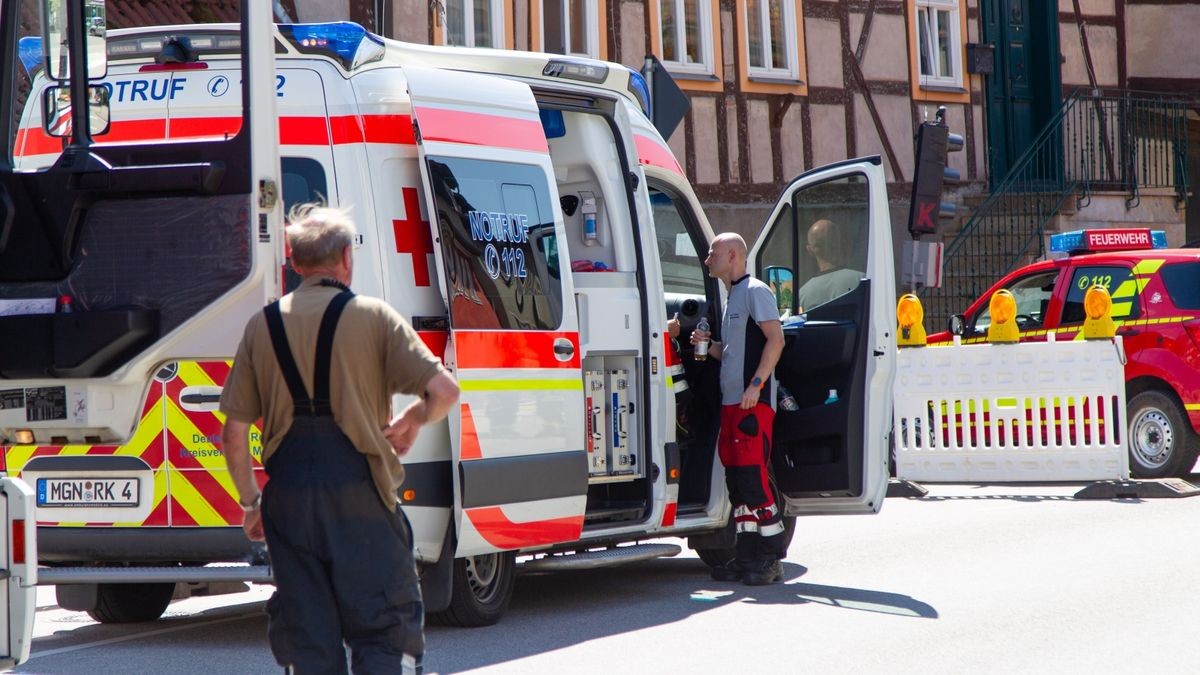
(304, 406)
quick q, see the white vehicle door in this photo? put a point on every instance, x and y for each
(518, 434)
(18, 590)
(159, 250)
(827, 253)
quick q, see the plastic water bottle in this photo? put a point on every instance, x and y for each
(832, 398)
(702, 345)
(786, 400)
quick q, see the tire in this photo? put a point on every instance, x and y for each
(131, 603)
(1160, 437)
(481, 588)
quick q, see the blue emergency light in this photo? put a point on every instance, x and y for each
(29, 50)
(338, 39)
(637, 85)
(1120, 239)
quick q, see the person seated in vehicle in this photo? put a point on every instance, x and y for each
(832, 278)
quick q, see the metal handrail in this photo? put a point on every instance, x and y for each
(1099, 140)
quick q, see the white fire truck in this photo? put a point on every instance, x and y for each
(520, 209)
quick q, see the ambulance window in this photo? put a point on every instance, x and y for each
(303, 182)
(1032, 294)
(1120, 284)
(832, 221)
(500, 251)
(682, 266)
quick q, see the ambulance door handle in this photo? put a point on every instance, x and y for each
(563, 349)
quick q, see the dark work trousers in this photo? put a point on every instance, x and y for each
(342, 561)
(744, 447)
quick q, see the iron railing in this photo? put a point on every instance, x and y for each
(1100, 140)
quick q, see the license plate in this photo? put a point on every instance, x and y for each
(87, 492)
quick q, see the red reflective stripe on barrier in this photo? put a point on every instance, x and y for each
(512, 349)
(652, 152)
(472, 128)
(436, 341)
(669, 515)
(469, 447)
(501, 532)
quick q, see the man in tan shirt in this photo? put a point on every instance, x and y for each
(341, 550)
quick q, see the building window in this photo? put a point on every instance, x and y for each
(939, 43)
(474, 23)
(571, 27)
(771, 39)
(687, 35)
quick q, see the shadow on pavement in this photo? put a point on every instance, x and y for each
(613, 601)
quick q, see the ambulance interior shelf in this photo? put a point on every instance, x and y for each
(75, 344)
(811, 452)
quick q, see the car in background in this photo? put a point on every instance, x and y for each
(1156, 307)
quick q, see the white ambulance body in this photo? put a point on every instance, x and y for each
(524, 214)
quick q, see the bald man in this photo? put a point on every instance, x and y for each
(753, 341)
(831, 280)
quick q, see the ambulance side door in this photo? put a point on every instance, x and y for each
(518, 435)
(828, 248)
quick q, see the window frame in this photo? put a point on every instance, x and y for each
(597, 22)
(954, 88)
(693, 77)
(774, 81)
(502, 24)
(791, 70)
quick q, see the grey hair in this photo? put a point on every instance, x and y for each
(317, 234)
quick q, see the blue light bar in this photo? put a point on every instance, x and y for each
(1120, 239)
(339, 39)
(637, 85)
(29, 50)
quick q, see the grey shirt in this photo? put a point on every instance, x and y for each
(750, 302)
(827, 286)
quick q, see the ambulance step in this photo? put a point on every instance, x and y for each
(586, 560)
(49, 576)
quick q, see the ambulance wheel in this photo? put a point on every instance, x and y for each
(482, 587)
(1161, 440)
(131, 603)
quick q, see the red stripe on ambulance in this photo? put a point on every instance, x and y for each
(472, 128)
(652, 153)
(499, 531)
(513, 349)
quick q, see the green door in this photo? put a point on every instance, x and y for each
(1023, 91)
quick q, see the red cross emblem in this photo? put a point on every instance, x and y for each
(412, 236)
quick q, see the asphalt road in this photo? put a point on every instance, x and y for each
(971, 579)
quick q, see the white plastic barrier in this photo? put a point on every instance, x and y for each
(1036, 411)
(18, 589)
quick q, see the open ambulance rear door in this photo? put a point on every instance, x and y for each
(827, 252)
(514, 347)
(160, 249)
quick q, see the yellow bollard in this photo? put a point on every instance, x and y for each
(1003, 309)
(910, 315)
(1098, 305)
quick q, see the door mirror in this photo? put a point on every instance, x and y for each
(56, 110)
(958, 323)
(780, 280)
(54, 37)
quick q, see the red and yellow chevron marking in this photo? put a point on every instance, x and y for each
(202, 491)
(146, 443)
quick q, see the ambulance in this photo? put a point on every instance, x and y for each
(521, 210)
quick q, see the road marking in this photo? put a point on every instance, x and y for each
(135, 636)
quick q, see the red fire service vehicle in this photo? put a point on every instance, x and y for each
(1156, 306)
